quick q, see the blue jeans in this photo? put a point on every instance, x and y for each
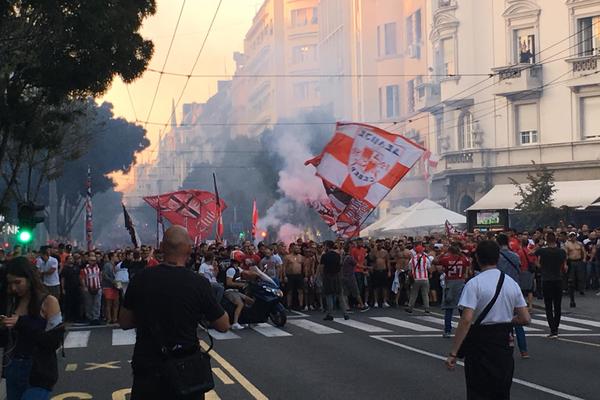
(448, 312)
(521, 340)
(17, 382)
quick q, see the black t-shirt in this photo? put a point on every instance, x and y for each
(70, 274)
(134, 267)
(331, 262)
(551, 261)
(167, 301)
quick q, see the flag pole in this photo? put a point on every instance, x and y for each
(158, 222)
(218, 225)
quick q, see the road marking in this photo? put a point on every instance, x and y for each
(437, 321)
(107, 365)
(515, 380)
(212, 395)
(77, 339)
(71, 367)
(269, 330)
(71, 395)
(250, 388)
(361, 325)
(123, 338)
(313, 327)
(405, 324)
(223, 335)
(299, 314)
(579, 342)
(222, 376)
(121, 394)
(587, 322)
(562, 326)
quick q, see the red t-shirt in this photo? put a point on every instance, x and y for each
(152, 262)
(359, 254)
(455, 266)
(250, 260)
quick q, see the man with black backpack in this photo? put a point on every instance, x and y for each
(491, 303)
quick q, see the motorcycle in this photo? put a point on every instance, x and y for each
(267, 301)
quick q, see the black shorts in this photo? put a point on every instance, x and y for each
(379, 279)
(295, 283)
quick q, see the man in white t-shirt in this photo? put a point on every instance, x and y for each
(48, 267)
(209, 271)
(488, 351)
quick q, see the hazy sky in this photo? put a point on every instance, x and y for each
(232, 23)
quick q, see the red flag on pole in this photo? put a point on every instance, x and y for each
(219, 232)
(254, 220)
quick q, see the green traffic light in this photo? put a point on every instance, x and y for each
(25, 236)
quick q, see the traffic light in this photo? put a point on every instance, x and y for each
(28, 219)
(242, 235)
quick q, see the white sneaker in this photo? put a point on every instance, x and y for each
(376, 305)
(386, 305)
(237, 326)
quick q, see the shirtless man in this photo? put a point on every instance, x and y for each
(403, 256)
(310, 270)
(381, 274)
(576, 262)
(293, 270)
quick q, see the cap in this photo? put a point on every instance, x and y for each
(572, 234)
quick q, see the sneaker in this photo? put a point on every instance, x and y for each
(552, 336)
(365, 308)
(572, 304)
(427, 311)
(237, 326)
(525, 355)
(328, 317)
(376, 305)
(346, 317)
(305, 308)
(408, 310)
(386, 305)
(446, 335)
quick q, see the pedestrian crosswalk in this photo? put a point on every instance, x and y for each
(416, 325)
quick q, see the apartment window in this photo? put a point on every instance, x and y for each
(447, 56)
(306, 90)
(439, 131)
(588, 36)
(410, 92)
(303, 54)
(524, 46)
(386, 40)
(304, 16)
(392, 101)
(526, 116)
(413, 34)
(590, 123)
(465, 130)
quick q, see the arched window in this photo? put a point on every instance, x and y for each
(465, 130)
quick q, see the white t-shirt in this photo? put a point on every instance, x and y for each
(479, 291)
(44, 266)
(208, 271)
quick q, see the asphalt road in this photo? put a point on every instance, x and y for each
(388, 355)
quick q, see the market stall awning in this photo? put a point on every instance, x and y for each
(573, 194)
(380, 223)
(421, 218)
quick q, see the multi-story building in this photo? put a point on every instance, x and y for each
(281, 43)
(539, 103)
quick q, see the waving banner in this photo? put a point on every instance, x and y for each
(194, 209)
(359, 167)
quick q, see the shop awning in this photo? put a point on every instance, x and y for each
(573, 194)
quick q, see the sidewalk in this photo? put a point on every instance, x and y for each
(587, 306)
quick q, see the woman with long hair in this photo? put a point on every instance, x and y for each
(35, 331)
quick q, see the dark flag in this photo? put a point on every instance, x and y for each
(129, 226)
(219, 233)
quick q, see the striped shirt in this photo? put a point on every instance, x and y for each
(419, 266)
(91, 277)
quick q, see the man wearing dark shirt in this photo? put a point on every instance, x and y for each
(552, 263)
(166, 303)
(331, 265)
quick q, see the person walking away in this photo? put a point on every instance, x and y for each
(510, 263)
(420, 265)
(165, 304)
(48, 267)
(109, 290)
(576, 256)
(552, 262)
(491, 304)
(35, 332)
(455, 267)
(331, 265)
(91, 285)
(71, 289)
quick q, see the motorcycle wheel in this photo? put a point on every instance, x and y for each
(278, 318)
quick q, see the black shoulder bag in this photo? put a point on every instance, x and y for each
(186, 371)
(464, 347)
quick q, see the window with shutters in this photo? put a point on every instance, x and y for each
(589, 110)
(465, 130)
(526, 116)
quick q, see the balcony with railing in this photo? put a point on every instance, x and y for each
(428, 95)
(586, 70)
(518, 79)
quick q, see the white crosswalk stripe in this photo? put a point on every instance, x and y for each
(561, 327)
(580, 321)
(123, 338)
(270, 331)
(77, 339)
(313, 326)
(405, 324)
(361, 326)
(223, 336)
(437, 321)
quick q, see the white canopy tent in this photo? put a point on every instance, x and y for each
(422, 218)
(573, 194)
(373, 229)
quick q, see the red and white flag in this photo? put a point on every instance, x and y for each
(359, 167)
(254, 220)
